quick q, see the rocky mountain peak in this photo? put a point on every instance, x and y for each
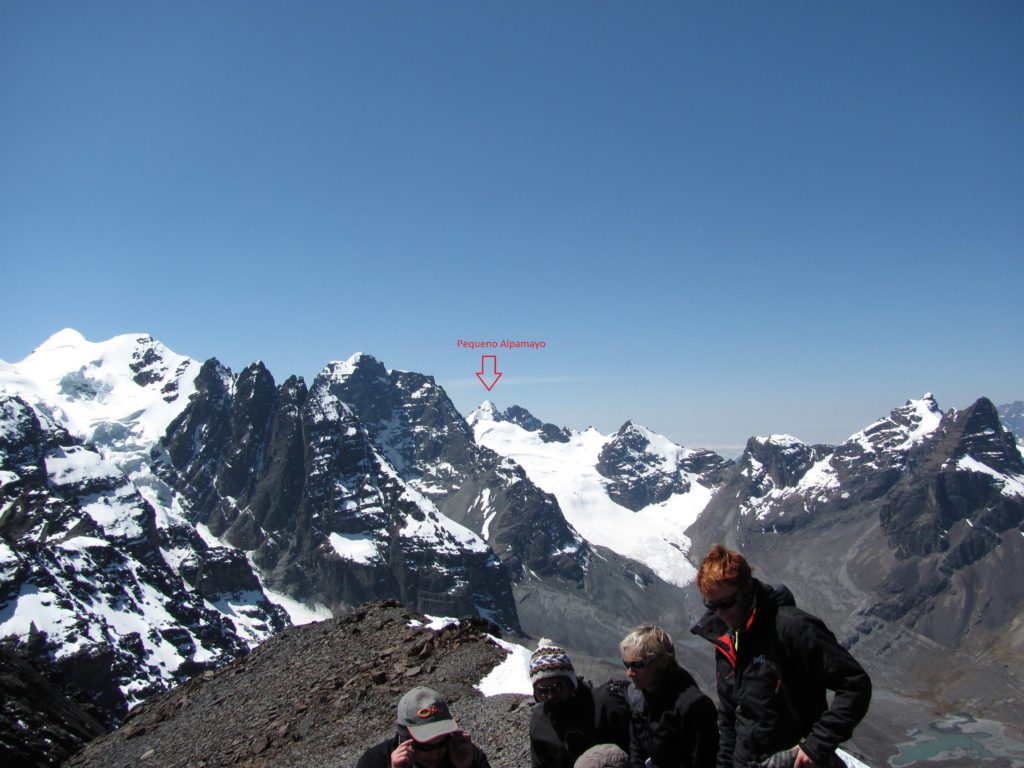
(486, 411)
(630, 431)
(905, 427)
(255, 376)
(214, 380)
(645, 468)
(776, 461)
(985, 439)
(410, 419)
(362, 368)
(296, 478)
(521, 417)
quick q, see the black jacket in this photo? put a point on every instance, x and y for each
(673, 725)
(559, 734)
(379, 756)
(772, 678)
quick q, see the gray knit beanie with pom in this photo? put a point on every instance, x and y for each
(550, 661)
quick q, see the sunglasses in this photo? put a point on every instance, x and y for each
(420, 746)
(638, 665)
(544, 691)
(723, 604)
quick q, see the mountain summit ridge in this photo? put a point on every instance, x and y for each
(135, 478)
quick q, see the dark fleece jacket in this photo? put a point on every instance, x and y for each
(673, 725)
(379, 755)
(772, 679)
(559, 734)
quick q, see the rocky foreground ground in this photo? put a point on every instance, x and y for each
(318, 695)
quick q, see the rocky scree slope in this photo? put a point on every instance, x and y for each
(320, 694)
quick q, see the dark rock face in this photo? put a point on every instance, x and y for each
(292, 475)
(758, 495)
(149, 366)
(218, 572)
(410, 418)
(563, 586)
(640, 474)
(321, 694)
(80, 549)
(549, 433)
(951, 478)
(40, 725)
(416, 426)
(956, 515)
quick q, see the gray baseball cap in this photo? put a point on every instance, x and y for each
(425, 713)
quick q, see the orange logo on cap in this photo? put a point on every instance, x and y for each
(426, 712)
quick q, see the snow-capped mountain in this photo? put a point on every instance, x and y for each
(908, 538)
(780, 479)
(83, 577)
(231, 497)
(159, 516)
(290, 476)
(564, 582)
(95, 564)
(118, 395)
(138, 490)
(923, 471)
(634, 492)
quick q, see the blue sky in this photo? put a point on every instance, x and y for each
(724, 219)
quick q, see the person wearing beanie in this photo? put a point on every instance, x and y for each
(427, 737)
(571, 716)
(549, 662)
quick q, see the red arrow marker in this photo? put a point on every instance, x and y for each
(485, 376)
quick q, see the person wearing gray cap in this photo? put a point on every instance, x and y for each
(427, 737)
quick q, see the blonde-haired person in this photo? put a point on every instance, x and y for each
(774, 664)
(672, 724)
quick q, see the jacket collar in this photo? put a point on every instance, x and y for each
(767, 601)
